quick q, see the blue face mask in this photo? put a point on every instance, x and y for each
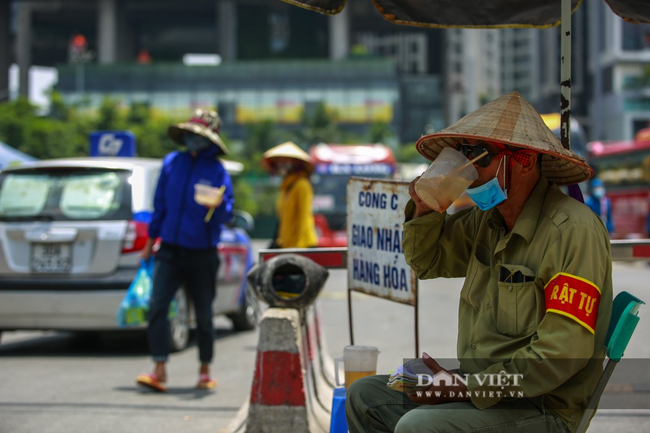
(490, 193)
(196, 143)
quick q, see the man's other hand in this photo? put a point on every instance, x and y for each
(444, 392)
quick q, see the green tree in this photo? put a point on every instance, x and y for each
(379, 132)
(245, 196)
(408, 153)
(109, 116)
(139, 113)
(151, 138)
(320, 127)
(15, 119)
(58, 108)
(261, 136)
(47, 139)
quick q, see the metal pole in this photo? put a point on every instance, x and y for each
(595, 396)
(417, 324)
(80, 79)
(24, 46)
(5, 48)
(77, 76)
(350, 317)
(565, 75)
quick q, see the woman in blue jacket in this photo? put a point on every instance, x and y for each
(189, 232)
(600, 204)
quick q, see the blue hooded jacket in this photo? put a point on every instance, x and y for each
(177, 218)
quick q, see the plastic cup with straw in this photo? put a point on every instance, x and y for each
(446, 179)
(208, 196)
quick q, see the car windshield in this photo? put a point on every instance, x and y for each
(65, 194)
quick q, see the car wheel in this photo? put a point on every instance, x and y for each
(246, 318)
(179, 325)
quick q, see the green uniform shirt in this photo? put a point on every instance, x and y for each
(503, 326)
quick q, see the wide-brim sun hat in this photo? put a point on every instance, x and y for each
(205, 123)
(512, 121)
(286, 150)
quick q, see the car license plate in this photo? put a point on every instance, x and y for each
(51, 257)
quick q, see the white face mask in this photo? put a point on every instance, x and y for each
(599, 192)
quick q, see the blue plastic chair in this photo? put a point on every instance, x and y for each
(338, 423)
(621, 327)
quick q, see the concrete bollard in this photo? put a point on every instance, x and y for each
(290, 281)
(293, 380)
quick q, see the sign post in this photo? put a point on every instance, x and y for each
(376, 263)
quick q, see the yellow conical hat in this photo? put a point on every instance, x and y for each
(286, 150)
(511, 120)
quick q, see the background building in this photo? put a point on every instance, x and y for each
(271, 60)
(274, 60)
(619, 68)
(472, 70)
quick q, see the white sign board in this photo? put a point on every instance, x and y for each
(376, 263)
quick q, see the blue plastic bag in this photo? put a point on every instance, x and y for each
(134, 307)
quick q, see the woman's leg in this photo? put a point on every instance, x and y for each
(167, 279)
(201, 275)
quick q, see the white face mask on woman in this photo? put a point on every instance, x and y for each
(599, 192)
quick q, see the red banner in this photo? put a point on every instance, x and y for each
(573, 297)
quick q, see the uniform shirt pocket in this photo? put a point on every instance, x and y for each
(517, 301)
(478, 277)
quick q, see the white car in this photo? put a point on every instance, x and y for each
(71, 231)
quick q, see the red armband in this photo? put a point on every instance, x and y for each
(573, 297)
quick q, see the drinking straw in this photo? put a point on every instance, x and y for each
(468, 163)
(209, 215)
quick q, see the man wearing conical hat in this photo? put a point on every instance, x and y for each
(190, 230)
(536, 302)
(294, 206)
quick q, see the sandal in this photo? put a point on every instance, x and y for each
(151, 381)
(206, 382)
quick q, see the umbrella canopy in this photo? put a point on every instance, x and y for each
(10, 155)
(479, 14)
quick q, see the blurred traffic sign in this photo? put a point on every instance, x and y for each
(112, 143)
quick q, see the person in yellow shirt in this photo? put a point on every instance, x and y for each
(294, 206)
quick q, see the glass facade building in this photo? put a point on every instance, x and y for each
(359, 92)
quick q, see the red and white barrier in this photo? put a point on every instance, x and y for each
(630, 250)
(292, 383)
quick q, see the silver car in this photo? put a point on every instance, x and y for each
(71, 231)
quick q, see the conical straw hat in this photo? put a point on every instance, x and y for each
(205, 123)
(286, 150)
(511, 120)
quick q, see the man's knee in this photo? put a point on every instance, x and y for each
(449, 417)
(417, 421)
(362, 391)
(356, 389)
